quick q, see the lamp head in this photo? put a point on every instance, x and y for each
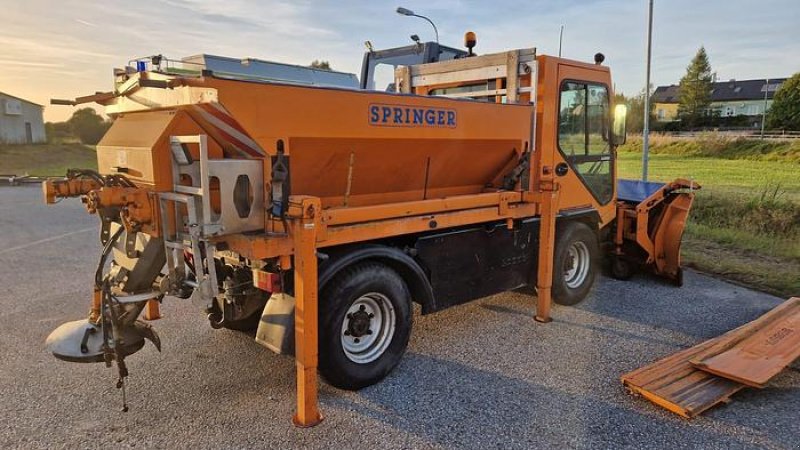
(404, 12)
(469, 41)
(599, 58)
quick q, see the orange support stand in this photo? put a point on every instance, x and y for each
(152, 310)
(304, 233)
(547, 238)
(94, 313)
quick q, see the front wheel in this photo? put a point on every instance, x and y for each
(574, 263)
(365, 324)
(621, 268)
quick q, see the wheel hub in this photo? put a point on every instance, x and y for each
(576, 264)
(358, 323)
(368, 328)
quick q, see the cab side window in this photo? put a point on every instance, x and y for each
(583, 132)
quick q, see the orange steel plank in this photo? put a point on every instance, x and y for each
(395, 227)
(341, 216)
(674, 384)
(761, 350)
(261, 246)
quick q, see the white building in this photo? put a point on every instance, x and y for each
(21, 121)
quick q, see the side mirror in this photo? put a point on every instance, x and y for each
(619, 127)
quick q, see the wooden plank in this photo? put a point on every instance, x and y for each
(674, 384)
(512, 77)
(475, 62)
(480, 73)
(698, 378)
(734, 337)
(402, 76)
(763, 350)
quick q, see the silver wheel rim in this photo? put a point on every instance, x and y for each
(576, 265)
(368, 328)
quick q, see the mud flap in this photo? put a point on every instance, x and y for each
(276, 328)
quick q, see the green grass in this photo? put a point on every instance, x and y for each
(745, 223)
(717, 176)
(45, 159)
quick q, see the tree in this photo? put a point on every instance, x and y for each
(694, 97)
(88, 126)
(785, 110)
(57, 131)
(320, 64)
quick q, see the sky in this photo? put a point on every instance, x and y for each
(68, 48)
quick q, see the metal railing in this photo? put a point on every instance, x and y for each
(751, 134)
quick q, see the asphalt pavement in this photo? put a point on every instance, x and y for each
(482, 375)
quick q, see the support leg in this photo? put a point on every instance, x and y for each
(305, 322)
(94, 313)
(547, 234)
(152, 310)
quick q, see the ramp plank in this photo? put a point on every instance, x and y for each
(760, 350)
(673, 383)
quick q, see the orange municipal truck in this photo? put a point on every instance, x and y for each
(315, 215)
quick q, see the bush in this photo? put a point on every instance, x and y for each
(767, 212)
(719, 145)
(88, 126)
(785, 110)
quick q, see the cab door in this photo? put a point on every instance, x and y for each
(583, 129)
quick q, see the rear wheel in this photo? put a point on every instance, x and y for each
(574, 263)
(365, 323)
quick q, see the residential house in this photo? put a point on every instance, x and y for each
(728, 99)
(21, 121)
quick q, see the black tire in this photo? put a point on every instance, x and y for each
(246, 325)
(244, 317)
(678, 280)
(366, 282)
(621, 268)
(583, 240)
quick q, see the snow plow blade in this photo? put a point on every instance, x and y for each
(651, 218)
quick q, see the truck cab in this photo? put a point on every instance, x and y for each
(573, 120)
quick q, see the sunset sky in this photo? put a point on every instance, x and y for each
(68, 48)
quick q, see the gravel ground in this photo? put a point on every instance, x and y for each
(475, 376)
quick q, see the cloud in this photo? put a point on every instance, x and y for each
(17, 62)
(70, 49)
(83, 22)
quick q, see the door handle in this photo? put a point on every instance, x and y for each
(562, 169)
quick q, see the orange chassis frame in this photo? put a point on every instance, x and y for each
(310, 227)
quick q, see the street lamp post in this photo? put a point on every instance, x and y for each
(764, 113)
(646, 131)
(407, 12)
